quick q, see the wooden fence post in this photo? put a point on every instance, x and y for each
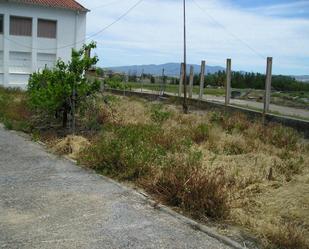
(228, 81)
(191, 82)
(202, 78)
(268, 84)
(180, 90)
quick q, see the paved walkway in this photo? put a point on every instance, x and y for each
(47, 202)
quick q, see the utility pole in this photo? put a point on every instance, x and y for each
(185, 104)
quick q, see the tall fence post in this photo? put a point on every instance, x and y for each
(268, 84)
(142, 80)
(162, 83)
(181, 79)
(202, 79)
(191, 82)
(228, 81)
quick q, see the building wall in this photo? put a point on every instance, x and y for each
(22, 55)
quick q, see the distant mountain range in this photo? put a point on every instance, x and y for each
(303, 78)
(173, 69)
(170, 69)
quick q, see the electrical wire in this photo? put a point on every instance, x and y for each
(118, 19)
(90, 36)
(229, 32)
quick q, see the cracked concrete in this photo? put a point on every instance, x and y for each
(48, 202)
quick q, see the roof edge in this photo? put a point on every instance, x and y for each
(80, 9)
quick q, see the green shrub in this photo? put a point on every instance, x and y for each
(216, 116)
(158, 115)
(7, 124)
(55, 91)
(200, 133)
(125, 152)
(116, 82)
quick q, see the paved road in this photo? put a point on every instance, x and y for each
(283, 110)
(47, 202)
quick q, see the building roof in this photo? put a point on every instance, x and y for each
(63, 4)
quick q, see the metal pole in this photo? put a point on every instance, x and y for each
(185, 104)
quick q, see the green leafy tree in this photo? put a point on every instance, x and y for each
(60, 91)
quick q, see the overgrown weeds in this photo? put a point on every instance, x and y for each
(285, 236)
(14, 110)
(205, 165)
(158, 115)
(215, 165)
(182, 182)
(125, 152)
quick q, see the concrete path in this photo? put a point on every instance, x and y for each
(283, 110)
(47, 202)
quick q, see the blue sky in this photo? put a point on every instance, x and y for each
(245, 30)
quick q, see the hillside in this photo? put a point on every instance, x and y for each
(171, 69)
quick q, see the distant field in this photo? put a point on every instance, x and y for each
(174, 88)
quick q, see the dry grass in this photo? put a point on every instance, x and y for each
(229, 168)
(71, 146)
(285, 236)
(14, 112)
(208, 164)
(184, 183)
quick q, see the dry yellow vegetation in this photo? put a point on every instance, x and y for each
(209, 164)
(241, 172)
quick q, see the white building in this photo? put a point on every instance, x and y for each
(35, 33)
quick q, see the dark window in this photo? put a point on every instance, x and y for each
(20, 26)
(1, 24)
(47, 28)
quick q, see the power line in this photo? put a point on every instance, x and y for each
(90, 36)
(229, 32)
(118, 19)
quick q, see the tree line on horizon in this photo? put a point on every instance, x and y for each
(240, 80)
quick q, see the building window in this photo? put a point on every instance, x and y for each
(1, 24)
(47, 28)
(20, 26)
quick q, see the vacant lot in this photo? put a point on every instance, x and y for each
(212, 166)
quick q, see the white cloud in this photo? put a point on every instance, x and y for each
(152, 33)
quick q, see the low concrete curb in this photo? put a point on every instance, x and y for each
(193, 224)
